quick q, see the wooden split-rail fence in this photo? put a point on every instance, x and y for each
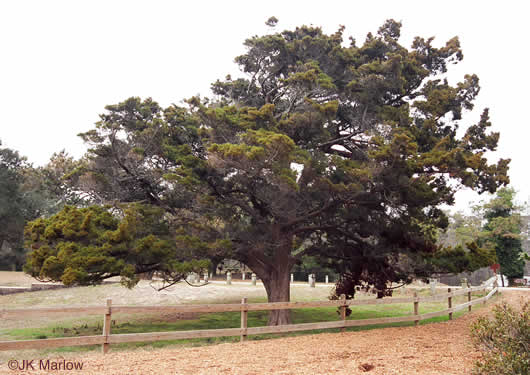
(106, 339)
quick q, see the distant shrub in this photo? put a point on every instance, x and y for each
(504, 341)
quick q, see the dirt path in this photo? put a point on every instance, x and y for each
(441, 348)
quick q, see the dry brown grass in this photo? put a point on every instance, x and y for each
(8, 278)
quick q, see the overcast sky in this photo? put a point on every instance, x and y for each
(63, 61)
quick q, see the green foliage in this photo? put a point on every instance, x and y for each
(504, 341)
(457, 259)
(87, 245)
(136, 147)
(502, 232)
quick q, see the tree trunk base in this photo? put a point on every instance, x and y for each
(279, 317)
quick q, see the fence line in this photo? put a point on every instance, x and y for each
(107, 338)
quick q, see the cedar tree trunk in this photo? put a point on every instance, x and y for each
(277, 285)
(275, 273)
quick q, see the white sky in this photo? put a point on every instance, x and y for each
(63, 61)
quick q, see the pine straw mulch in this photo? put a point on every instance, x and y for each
(438, 348)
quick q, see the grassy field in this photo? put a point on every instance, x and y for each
(145, 294)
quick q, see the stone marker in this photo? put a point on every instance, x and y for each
(312, 280)
(432, 284)
(253, 279)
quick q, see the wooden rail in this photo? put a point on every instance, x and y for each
(107, 338)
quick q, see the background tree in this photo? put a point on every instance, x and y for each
(322, 149)
(502, 232)
(12, 208)
(26, 193)
(462, 229)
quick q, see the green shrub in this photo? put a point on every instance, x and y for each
(504, 341)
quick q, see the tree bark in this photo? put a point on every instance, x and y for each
(275, 273)
(214, 263)
(278, 289)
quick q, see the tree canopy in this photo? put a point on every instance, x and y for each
(322, 148)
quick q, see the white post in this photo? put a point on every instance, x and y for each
(327, 279)
(228, 278)
(243, 274)
(432, 284)
(253, 279)
(312, 281)
(206, 277)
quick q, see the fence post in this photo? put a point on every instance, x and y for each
(450, 303)
(229, 278)
(244, 318)
(469, 300)
(343, 311)
(106, 326)
(416, 307)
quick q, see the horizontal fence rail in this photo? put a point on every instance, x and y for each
(107, 338)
